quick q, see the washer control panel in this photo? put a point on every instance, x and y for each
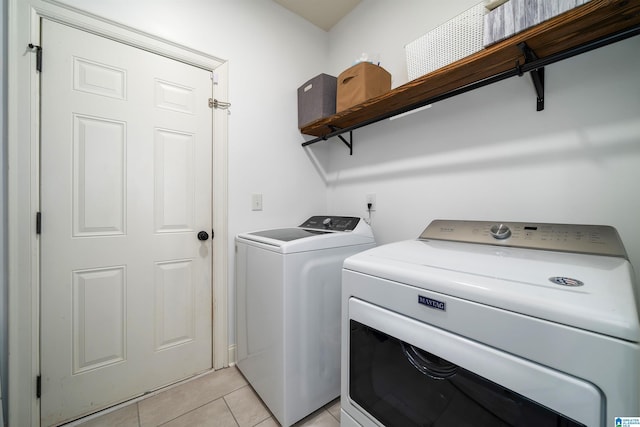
(333, 223)
(590, 239)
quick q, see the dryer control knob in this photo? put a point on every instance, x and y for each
(500, 231)
(327, 222)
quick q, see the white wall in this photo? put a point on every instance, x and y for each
(271, 52)
(383, 28)
(483, 155)
(3, 211)
(488, 155)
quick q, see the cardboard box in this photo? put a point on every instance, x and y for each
(361, 82)
(316, 99)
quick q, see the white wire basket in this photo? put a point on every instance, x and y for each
(447, 43)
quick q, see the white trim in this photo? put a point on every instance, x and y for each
(23, 187)
(55, 11)
(23, 408)
(233, 355)
(220, 220)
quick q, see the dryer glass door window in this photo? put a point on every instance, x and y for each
(401, 385)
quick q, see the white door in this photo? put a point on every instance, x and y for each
(125, 188)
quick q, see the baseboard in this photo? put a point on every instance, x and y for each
(232, 355)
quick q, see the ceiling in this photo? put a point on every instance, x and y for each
(322, 13)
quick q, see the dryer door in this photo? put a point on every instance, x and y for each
(405, 373)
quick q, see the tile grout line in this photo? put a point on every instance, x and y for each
(208, 403)
(229, 408)
(328, 405)
(192, 410)
(136, 400)
(186, 383)
(246, 384)
(269, 414)
(261, 421)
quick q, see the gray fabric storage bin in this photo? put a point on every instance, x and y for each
(316, 99)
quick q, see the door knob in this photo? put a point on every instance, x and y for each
(203, 235)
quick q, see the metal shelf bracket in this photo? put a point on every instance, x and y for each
(537, 75)
(335, 131)
(349, 143)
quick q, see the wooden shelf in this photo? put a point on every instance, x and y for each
(591, 22)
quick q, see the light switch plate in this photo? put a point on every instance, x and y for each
(256, 202)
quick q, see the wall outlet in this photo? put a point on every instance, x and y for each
(256, 202)
(370, 198)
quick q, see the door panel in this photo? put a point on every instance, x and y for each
(125, 186)
(99, 321)
(174, 181)
(174, 288)
(99, 173)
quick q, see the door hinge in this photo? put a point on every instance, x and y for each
(38, 386)
(38, 222)
(212, 234)
(38, 56)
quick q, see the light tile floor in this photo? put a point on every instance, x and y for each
(217, 399)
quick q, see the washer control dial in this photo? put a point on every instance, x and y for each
(500, 231)
(327, 222)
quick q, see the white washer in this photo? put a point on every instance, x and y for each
(485, 324)
(288, 310)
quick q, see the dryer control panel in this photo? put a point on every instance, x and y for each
(589, 239)
(333, 223)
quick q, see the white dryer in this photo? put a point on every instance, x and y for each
(492, 324)
(288, 284)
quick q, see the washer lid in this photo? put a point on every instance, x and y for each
(525, 281)
(287, 234)
(316, 233)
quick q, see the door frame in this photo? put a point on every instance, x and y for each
(23, 198)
